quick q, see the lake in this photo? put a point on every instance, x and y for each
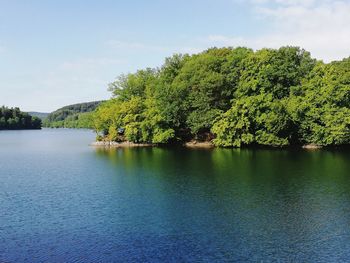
(65, 201)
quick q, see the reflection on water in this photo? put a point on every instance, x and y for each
(265, 204)
(69, 202)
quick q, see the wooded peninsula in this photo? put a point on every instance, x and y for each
(231, 97)
(14, 119)
(226, 97)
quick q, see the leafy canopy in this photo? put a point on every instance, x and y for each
(233, 97)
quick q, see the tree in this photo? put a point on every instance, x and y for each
(234, 97)
(321, 105)
(14, 119)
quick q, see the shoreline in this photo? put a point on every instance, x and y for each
(208, 145)
(113, 144)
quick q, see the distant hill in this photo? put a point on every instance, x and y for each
(72, 116)
(40, 115)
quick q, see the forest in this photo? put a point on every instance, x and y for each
(72, 116)
(232, 97)
(15, 119)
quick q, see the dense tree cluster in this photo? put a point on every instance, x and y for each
(14, 119)
(72, 116)
(232, 97)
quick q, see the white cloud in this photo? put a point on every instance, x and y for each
(321, 27)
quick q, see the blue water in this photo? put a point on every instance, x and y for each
(64, 201)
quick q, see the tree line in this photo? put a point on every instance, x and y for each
(72, 116)
(14, 119)
(232, 97)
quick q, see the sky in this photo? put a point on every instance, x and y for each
(59, 52)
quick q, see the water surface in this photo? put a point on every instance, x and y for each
(63, 201)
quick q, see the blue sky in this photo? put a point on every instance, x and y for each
(55, 53)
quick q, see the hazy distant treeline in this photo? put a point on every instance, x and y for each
(72, 116)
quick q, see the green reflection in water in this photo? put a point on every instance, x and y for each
(289, 194)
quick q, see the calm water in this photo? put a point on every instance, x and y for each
(63, 201)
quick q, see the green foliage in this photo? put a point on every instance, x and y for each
(72, 116)
(77, 121)
(255, 119)
(235, 96)
(14, 119)
(209, 81)
(128, 86)
(321, 106)
(274, 71)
